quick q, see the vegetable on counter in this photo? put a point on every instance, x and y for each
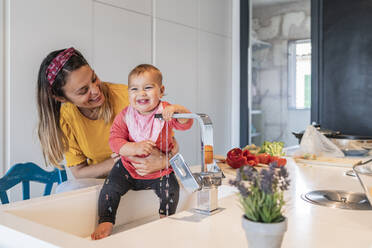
(265, 158)
(237, 158)
(309, 156)
(252, 148)
(273, 148)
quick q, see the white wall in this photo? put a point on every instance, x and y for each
(189, 40)
(2, 84)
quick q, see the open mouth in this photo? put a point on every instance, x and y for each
(97, 99)
(143, 101)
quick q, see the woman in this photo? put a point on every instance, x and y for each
(76, 111)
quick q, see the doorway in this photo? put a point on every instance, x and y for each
(280, 70)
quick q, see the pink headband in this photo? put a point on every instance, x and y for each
(57, 64)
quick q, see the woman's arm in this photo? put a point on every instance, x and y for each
(155, 161)
(99, 170)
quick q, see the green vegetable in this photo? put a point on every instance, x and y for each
(309, 156)
(273, 148)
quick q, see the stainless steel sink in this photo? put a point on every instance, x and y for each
(338, 199)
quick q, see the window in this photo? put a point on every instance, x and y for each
(299, 74)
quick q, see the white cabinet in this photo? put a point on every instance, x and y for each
(36, 28)
(216, 16)
(122, 39)
(215, 86)
(180, 68)
(180, 11)
(141, 6)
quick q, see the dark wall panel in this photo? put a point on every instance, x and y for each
(345, 87)
(244, 45)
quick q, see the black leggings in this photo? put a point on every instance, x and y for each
(120, 181)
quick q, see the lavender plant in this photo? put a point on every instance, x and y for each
(261, 193)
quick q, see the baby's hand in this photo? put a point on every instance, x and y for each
(144, 148)
(168, 112)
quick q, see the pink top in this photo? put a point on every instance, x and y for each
(119, 135)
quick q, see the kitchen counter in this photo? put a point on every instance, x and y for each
(308, 225)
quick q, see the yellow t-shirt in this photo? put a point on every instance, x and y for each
(88, 139)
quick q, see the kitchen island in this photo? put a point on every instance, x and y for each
(308, 225)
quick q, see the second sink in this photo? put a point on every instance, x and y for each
(338, 199)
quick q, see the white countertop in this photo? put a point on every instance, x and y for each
(308, 225)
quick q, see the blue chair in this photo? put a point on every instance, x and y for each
(29, 172)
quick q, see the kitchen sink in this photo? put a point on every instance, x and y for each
(338, 199)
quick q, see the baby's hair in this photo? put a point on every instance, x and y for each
(142, 68)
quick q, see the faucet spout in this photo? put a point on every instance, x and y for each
(206, 135)
(210, 176)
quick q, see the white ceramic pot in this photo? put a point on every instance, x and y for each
(264, 235)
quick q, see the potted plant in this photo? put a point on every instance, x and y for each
(261, 197)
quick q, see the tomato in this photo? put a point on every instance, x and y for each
(252, 163)
(246, 153)
(282, 162)
(273, 158)
(264, 158)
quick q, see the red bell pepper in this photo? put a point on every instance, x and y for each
(235, 158)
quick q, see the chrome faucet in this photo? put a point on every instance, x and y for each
(206, 181)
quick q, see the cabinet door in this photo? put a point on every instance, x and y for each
(36, 28)
(142, 6)
(179, 11)
(215, 86)
(215, 16)
(122, 40)
(176, 57)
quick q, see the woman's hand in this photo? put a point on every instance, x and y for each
(115, 156)
(154, 162)
(144, 148)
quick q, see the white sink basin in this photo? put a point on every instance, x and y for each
(75, 212)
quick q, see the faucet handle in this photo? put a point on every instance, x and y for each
(160, 116)
(184, 173)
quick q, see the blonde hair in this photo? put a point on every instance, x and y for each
(53, 141)
(142, 68)
(105, 111)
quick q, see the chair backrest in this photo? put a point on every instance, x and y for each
(25, 173)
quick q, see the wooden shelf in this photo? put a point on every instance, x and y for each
(255, 134)
(256, 112)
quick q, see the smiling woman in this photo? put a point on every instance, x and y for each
(76, 111)
(87, 93)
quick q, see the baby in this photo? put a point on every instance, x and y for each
(136, 132)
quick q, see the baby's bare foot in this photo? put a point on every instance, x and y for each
(103, 230)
